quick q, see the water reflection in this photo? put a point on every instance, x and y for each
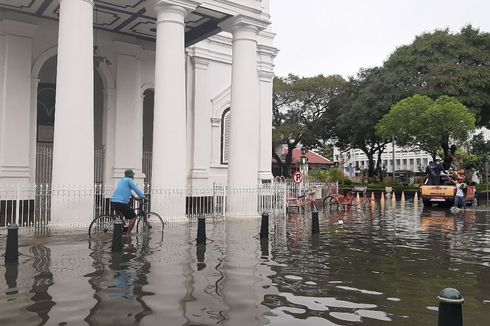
(42, 301)
(117, 282)
(380, 267)
(386, 266)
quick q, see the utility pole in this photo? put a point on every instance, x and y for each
(393, 165)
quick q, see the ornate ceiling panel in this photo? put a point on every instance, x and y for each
(125, 16)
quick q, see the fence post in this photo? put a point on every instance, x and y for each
(450, 308)
(17, 205)
(12, 248)
(117, 241)
(284, 196)
(201, 230)
(264, 226)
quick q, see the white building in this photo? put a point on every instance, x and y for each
(354, 161)
(188, 82)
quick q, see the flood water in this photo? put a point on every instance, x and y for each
(375, 268)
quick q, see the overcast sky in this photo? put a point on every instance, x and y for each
(341, 36)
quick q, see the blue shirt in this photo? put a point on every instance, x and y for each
(122, 194)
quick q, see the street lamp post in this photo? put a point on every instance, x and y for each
(304, 164)
(486, 175)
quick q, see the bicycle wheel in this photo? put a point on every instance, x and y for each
(151, 222)
(330, 203)
(101, 226)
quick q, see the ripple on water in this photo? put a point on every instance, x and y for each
(394, 299)
(324, 303)
(432, 308)
(282, 317)
(348, 288)
(373, 314)
(293, 277)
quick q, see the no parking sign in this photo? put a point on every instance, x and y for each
(297, 177)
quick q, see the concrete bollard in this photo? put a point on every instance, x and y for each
(315, 225)
(11, 274)
(450, 308)
(264, 248)
(264, 226)
(201, 230)
(117, 236)
(12, 249)
(200, 255)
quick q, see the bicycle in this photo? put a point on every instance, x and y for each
(147, 221)
(335, 200)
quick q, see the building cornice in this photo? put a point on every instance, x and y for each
(242, 21)
(10, 27)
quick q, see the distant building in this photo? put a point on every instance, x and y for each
(354, 161)
(314, 161)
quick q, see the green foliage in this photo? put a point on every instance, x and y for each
(479, 154)
(442, 63)
(428, 125)
(331, 175)
(365, 100)
(301, 107)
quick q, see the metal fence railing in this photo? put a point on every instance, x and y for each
(45, 204)
(44, 164)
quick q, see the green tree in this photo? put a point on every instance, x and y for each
(442, 63)
(419, 122)
(301, 106)
(478, 155)
(363, 103)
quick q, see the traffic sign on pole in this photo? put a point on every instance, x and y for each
(297, 177)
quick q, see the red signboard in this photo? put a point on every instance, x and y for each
(297, 177)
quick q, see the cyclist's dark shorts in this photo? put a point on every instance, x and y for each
(125, 209)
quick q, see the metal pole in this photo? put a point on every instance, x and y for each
(12, 249)
(201, 230)
(117, 236)
(393, 154)
(486, 174)
(264, 226)
(450, 308)
(315, 225)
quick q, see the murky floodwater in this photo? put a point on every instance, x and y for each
(371, 269)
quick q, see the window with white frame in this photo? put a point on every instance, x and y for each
(225, 136)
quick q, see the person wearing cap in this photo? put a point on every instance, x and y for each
(122, 195)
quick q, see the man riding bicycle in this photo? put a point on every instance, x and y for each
(122, 195)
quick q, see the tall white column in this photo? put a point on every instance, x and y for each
(243, 159)
(33, 129)
(169, 131)
(266, 76)
(73, 153)
(129, 111)
(169, 168)
(109, 134)
(201, 136)
(15, 102)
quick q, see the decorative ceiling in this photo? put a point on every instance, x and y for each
(127, 17)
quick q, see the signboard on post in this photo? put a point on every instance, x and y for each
(297, 177)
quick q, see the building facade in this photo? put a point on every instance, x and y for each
(174, 89)
(394, 158)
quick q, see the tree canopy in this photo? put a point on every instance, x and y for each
(442, 63)
(363, 103)
(301, 107)
(419, 122)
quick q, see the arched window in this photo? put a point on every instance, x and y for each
(225, 136)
